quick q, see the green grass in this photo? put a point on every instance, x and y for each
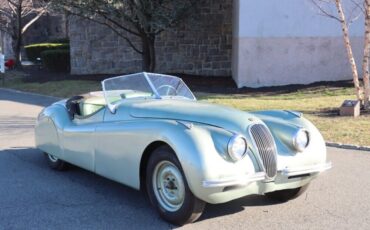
(320, 107)
(319, 104)
(64, 88)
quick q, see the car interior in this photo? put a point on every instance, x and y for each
(86, 105)
(83, 106)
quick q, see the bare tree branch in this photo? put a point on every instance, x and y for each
(358, 5)
(345, 22)
(141, 18)
(112, 28)
(27, 25)
(323, 12)
(17, 16)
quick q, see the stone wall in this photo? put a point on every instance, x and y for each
(201, 45)
(48, 27)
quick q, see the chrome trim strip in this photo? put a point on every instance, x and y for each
(157, 95)
(295, 113)
(188, 125)
(235, 181)
(307, 169)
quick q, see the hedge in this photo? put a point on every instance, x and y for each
(56, 60)
(34, 51)
(59, 40)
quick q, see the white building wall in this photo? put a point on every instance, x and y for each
(279, 42)
(6, 45)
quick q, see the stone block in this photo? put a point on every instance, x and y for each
(221, 73)
(350, 108)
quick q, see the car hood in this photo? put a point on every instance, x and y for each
(194, 111)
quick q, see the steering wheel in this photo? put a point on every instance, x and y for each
(169, 88)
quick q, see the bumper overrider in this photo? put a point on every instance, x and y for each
(261, 176)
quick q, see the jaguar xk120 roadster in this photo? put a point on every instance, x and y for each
(149, 132)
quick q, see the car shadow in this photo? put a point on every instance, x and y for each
(82, 190)
(235, 206)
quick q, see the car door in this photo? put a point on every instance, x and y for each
(118, 147)
(79, 140)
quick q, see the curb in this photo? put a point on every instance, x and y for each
(346, 146)
(30, 93)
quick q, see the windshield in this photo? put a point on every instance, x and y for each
(144, 85)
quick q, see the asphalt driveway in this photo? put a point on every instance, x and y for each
(34, 197)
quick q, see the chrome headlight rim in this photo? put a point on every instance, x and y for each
(296, 145)
(233, 140)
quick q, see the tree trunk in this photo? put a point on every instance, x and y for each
(347, 44)
(18, 41)
(365, 63)
(148, 52)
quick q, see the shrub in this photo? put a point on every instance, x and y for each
(34, 51)
(56, 60)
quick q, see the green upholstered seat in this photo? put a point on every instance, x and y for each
(91, 105)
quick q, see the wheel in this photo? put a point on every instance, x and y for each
(55, 163)
(287, 194)
(168, 190)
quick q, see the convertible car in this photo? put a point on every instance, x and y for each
(149, 132)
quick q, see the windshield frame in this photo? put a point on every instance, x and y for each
(113, 106)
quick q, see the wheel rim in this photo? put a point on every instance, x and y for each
(52, 158)
(168, 186)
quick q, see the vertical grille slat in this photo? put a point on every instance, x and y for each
(266, 148)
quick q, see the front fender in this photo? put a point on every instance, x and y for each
(283, 124)
(202, 152)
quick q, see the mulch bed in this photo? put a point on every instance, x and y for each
(196, 83)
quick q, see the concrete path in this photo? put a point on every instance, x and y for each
(34, 197)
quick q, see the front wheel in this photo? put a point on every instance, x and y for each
(55, 163)
(287, 194)
(168, 189)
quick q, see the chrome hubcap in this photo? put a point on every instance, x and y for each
(168, 186)
(52, 158)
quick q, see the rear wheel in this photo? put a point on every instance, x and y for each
(55, 163)
(287, 194)
(168, 189)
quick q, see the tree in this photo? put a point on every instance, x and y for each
(362, 94)
(132, 19)
(365, 62)
(16, 16)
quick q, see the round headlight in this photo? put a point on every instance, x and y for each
(237, 147)
(301, 140)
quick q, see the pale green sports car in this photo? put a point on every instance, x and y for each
(149, 132)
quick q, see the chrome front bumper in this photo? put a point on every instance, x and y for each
(241, 181)
(306, 169)
(260, 176)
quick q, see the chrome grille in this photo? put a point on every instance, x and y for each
(266, 148)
